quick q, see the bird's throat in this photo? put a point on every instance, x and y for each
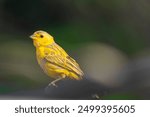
(38, 44)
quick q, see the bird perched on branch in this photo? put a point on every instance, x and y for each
(53, 59)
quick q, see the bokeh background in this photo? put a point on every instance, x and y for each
(110, 39)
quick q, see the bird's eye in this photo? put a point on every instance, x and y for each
(41, 36)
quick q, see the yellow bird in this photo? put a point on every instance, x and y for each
(53, 59)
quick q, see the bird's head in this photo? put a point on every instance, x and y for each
(42, 38)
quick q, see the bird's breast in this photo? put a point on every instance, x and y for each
(40, 56)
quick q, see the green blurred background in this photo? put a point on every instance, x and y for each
(109, 38)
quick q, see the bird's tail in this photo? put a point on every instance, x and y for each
(75, 76)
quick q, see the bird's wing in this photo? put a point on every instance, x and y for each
(60, 58)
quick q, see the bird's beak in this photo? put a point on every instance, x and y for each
(32, 36)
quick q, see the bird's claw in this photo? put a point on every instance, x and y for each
(50, 84)
(53, 84)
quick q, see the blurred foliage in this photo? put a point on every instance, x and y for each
(11, 81)
(77, 21)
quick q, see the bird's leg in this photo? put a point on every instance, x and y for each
(54, 82)
(60, 78)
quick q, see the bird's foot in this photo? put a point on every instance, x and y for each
(50, 84)
(53, 84)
